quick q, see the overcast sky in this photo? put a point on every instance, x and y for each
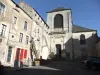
(85, 13)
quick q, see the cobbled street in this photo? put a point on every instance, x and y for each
(55, 68)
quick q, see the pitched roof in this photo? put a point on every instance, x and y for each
(80, 29)
(58, 9)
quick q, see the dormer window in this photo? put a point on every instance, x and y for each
(2, 8)
(25, 25)
(14, 20)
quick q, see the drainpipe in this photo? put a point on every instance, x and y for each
(72, 40)
(72, 48)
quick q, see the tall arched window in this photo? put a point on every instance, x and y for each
(58, 21)
(82, 39)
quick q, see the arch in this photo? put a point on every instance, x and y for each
(82, 39)
(58, 21)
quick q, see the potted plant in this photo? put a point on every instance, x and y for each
(37, 62)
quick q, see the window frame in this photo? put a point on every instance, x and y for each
(3, 9)
(25, 25)
(15, 20)
(9, 54)
(27, 39)
(3, 30)
(82, 39)
(21, 38)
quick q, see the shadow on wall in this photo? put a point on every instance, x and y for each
(75, 50)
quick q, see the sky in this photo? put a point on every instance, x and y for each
(85, 13)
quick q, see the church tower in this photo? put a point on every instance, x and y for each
(60, 19)
(60, 23)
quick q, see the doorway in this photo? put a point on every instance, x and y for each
(17, 58)
(58, 50)
(84, 53)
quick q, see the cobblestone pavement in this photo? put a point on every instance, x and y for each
(55, 68)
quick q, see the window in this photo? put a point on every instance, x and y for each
(21, 37)
(2, 8)
(58, 21)
(14, 20)
(9, 54)
(25, 25)
(38, 18)
(3, 29)
(35, 15)
(27, 39)
(82, 39)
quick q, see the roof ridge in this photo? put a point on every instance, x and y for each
(58, 9)
(77, 28)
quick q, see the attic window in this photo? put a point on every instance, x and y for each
(37, 23)
(35, 14)
(38, 18)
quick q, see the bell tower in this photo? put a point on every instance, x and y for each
(60, 23)
(60, 19)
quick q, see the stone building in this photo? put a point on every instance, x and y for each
(20, 31)
(68, 40)
(40, 31)
(24, 35)
(15, 27)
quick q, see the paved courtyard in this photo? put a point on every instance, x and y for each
(55, 68)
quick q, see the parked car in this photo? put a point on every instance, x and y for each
(91, 62)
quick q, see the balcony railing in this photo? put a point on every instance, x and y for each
(58, 31)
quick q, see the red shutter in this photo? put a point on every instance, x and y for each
(25, 53)
(16, 57)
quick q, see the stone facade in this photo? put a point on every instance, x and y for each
(16, 17)
(12, 33)
(40, 31)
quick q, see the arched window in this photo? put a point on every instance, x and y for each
(82, 39)
(58, 21)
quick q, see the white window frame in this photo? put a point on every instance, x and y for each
(14, 20)
(3, 30)
(25, 25)
(9, 58)
(3, 14)
(27, 39)
(21, 38)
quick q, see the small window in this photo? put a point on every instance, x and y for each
(21, 37)
(3, 29)
(38, 18)
(2, 8)
(35, 15)
(82, 39)
(37, 23)
(9, 54)
(25, 25)
(14, 20)
(27, 39)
